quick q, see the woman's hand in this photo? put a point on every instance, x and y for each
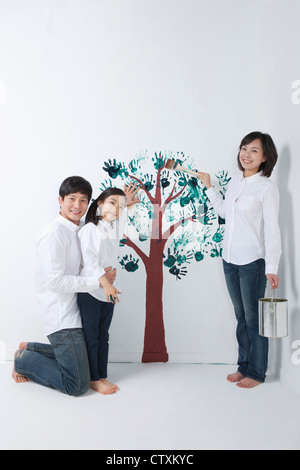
(274, 280)
(131, 192)
(205, 179)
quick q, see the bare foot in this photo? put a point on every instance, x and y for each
(18, 378)
(236, 377)
(110, 384)
(104, 387)
(22, 346)
(248, 383)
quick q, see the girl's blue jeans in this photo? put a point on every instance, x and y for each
(246, 284)
(96, 318)
(62, 364)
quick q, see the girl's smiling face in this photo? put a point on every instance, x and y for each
(251, 156)
(112, 207)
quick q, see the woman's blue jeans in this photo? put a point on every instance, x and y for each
(62, 365)
(246, 284)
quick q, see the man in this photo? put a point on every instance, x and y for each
(62, 364)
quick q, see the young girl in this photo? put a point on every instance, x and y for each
(251, 248)
(104, 226)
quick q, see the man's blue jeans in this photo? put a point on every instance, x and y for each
(62, 365)
(246, 284)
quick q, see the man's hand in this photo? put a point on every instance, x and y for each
(110, 274)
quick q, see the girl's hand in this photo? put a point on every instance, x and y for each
(131, 192)
(111, 294)
(205, 179)
(110, 291)
(274, 280)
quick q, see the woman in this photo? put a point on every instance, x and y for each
(251, 248)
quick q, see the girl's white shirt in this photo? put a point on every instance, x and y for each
(250, 210)
(100, 245)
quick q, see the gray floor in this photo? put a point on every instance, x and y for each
(159, 406)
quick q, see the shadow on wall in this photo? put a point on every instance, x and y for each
(287, 268)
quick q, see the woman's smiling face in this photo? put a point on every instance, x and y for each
(251, 156)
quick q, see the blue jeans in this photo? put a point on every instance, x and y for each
(246, 284)
(62, 364)
(96, 318)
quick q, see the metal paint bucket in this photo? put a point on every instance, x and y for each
(273, 317)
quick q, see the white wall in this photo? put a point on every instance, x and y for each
(82, 81)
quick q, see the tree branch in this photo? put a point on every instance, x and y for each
(138, 251)
(171, 198)
(173, 227)
(152, 199)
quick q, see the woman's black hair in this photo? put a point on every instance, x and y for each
(269, 151)
(75, 184)
(91, 215)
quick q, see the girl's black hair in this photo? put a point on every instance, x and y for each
(75, 184)
(269, 150)
(91, 215)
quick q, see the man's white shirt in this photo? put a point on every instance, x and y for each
(57, 275)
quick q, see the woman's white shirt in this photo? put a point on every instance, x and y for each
(250, 210)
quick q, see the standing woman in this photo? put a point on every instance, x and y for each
(251, 248)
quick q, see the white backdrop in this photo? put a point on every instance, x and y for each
(82, 81)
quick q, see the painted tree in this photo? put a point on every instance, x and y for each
(173, 225)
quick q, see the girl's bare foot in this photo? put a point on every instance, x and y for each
(110, 384)
(248, 383)
(103, 386)
(236, 377)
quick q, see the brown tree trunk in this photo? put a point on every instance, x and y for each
(154, 341)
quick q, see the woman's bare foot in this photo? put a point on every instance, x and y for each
(248, 383)
(103, 386)
(236, 377)
(22, 346)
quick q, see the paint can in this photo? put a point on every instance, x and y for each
(273, 317)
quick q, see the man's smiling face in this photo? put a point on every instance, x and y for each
(73, 206)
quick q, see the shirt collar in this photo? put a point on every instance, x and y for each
(70, 225)
(249, 179)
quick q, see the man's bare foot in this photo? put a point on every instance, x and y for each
(236, 377)
(248, 383)
(18, 378)
(103, 386)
